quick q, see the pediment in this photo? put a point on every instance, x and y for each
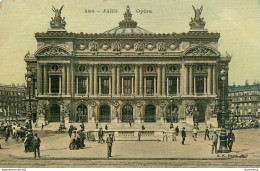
(53, 51)
(201, 51)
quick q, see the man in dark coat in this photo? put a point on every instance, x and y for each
(82, 126)
(109, 145)
(7, 134)
(206, 133)
(100, 136)
(183, 134)
(214, 142)
(36, 145)
(143, 128)
(70, 130)
(82, 139)
(177, 130)
(231, 139)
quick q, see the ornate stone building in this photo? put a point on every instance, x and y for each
(126, 73)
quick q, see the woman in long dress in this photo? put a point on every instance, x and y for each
(73, 143)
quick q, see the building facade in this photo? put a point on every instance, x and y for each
(126, 73)
(245, 102)
(12, 102)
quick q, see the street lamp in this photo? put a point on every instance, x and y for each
(223, 136)
(29, 82)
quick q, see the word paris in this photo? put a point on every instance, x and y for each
(143, 11)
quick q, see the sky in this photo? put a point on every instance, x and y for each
(238, 22)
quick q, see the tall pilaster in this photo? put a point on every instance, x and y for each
(178, 85)
(118, 80)
(63, 79)
(141, 81)
(59, 84)
(132, 85)
(109, 83)
(87, 92)
(194, 90)
(91, 80)
(77, 85)
(205, 85)
(49, 84)
(113, 80)
(68, 79)
(45, 78)
(154, 86)
(136, 80)
(145, 86)
(72, 79)
(163, 80)
(122, 92)
(39, 78)
(209, 80)
(95, 80)
(99, 85)
(159, 81)
(190, 80)
(214, 79)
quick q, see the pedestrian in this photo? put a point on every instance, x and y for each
(165, 136)
(82, 139)
(42, 126)
(171, 125)
(231, 139)
(143, 128)
(139, 136)
(195, 132)
(183, 134)
(206, 133)
(70, 130)
(130, 123)
(36, 145)
(109, 145)
(177, 130)
(174, 135)
(100, 136)
(96, 125)
(106, 127)
(82, 126)
(7, 134)
(214, 141)
(74, 141)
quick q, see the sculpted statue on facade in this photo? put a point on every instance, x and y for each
(57, 21)
(139, 46)
(93, 46)
(197, 21)
(116, 46)
(189, 109)
(161, 46)
(27, 55)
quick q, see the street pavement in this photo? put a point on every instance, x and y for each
(54, 150)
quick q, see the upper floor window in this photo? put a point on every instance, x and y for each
(104, 85)
(149, 85)
(127, 85)
(82, 85)
(172, 87)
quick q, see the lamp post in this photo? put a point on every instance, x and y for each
(224, 112)
(29, 82)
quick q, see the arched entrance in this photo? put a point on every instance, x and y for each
(150, 113)
(172, 113)
(82, 113)
(200, 113)
(104, 114)
(54, 113)
(127, 113)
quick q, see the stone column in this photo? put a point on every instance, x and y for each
(87, 86)
(99, 86)
(118, 81)
(185, 80)
(205, 85)
(59, 84)
(122, 92)
(132, 85)
(194, 86)
(214, 79)
(154, 86)
(209, 80)
(178, 85)
(39, 78)
(63, 79)
(109, 87)
(159, 81)
(136, 80)
(163, 80)
(72, 79)
(145, 86)
(68, 79)
(190, 80)
(95, 80)
(77, 85)
(91, 80)
(45, 78)
(113, 80)
(49, 84)
(167, 87)
(141, 81)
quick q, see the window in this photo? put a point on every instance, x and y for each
(55, 84)
(172, 87)
(104, 85)
(199, 84)
(149, 85)
(82, 85)
(127, 85)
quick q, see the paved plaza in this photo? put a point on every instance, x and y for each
(54, 149)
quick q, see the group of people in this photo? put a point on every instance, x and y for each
(77, 138)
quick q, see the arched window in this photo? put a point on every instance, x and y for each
(127, 113)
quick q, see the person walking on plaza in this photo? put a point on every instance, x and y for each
(143, 128)
(106, 127)
(231, 139)
(70, 130)
(139, 136)
(177, 130)
(183, 134)
(171, 125)
(214, 142)
(82, 126)
(100, 136)
(195, 133)
(174, 135)
(81, 139)
(7, 134)
(36, 145)
(109, 145)
(42, 127)
(206, 133)
(96, 125)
